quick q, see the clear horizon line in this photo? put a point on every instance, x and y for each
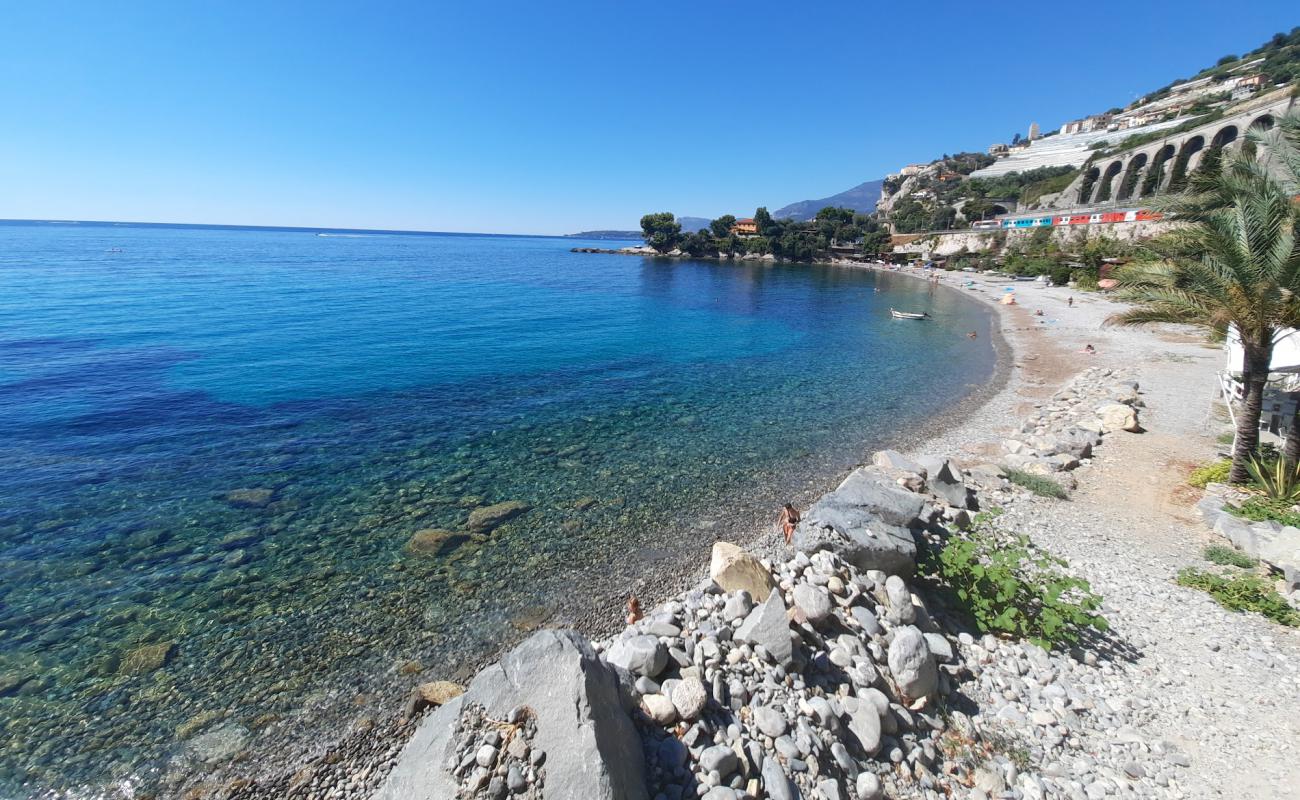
(303, 228)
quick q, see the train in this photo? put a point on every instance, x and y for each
(1096, 218)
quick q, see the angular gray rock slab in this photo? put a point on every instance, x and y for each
(865, 521)
(592, 748)
(946, 483)
(768, 626)
(892, 459)
(639, 655)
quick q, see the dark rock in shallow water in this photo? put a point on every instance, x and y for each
(145, 659)
(592, 748)
(435, 542)
(249, 498)
(489, 517)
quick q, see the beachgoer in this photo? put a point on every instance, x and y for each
(633, 609)
(788, 519)
(972, 335)
(1090, 350)
(1038, 313)
(1070, 302)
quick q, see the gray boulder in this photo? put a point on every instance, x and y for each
(866, 522)
(892, 459)
(640, 655)
(813, 602)
(1238, 531)
(911, 664)
(864, 724)
(947, 483)
(768, 626)
(592, 748)
(775, 782)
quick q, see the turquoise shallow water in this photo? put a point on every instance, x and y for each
(216, 444)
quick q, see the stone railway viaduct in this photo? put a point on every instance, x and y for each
(1165, 164)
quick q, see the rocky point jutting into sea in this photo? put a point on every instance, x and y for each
(832, 668)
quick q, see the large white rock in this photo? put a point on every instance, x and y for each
(1117, 417)
(734, 570)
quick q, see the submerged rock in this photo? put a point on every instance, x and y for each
(145, 659)
(219, 744)
(250, 498)
(435, 542)
(482, 520)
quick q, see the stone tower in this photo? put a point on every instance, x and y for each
(1033, 131)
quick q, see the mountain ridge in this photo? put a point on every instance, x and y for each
(861, 198)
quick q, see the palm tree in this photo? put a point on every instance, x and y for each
(1282, 157)
(1232, 262)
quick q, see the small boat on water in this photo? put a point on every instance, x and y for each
(907, 315)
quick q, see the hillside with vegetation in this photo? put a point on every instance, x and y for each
(942, 195)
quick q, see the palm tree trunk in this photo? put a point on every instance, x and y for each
(1291, 450)
(1258, 357)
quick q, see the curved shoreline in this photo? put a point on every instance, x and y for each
(369, 748)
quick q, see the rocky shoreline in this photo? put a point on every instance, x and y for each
(1107, 751)
(825, 675)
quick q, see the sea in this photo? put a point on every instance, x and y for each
(251, 480)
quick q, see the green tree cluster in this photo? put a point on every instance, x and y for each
(785, 238)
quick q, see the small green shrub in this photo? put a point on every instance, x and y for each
(1008, 585)
(1040, 485)
(1213, 472)
(1242, 593)
(1228, 557)
(1226, 438)
(1260, 508)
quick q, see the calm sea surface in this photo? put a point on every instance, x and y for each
(215, 446)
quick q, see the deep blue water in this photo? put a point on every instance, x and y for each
(366, 387)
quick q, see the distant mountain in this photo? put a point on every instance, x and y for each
(693, 224)
(862, 198)
(605, 235)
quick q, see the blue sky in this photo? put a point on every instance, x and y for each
(545, 117)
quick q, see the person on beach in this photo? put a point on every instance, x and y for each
(633, 609)
(1038, 313)
(1089, 349)
(788, 519)
(972, 335)
(1069, 301)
